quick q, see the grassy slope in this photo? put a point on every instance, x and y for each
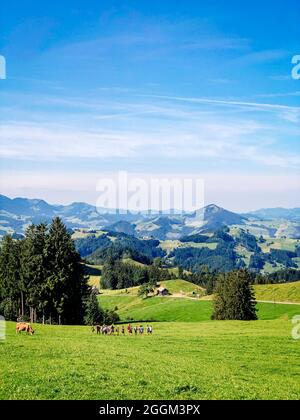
(279, 243)
(94, 272)
(288, 292)
(182, 286)
(169, 244)
(185, 310)
(177, 286)
(181, 309)
(207, 360)
(133, 262)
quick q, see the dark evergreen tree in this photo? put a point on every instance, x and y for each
(67, 283)
(93, 313)
(11, 299)
(33, 270)
(234, 298)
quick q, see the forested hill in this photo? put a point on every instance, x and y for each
(225, 250)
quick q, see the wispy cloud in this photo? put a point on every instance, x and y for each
(147, 39)
(235, 140)
(292, 113)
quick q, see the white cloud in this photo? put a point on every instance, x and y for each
(231, 140)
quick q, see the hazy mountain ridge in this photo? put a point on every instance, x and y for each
(276, 213)
(16, 214)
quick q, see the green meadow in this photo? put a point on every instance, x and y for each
(202, 359)
(180, 306)
(285, 292)
(168, 309)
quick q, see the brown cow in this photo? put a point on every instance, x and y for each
(24, 326)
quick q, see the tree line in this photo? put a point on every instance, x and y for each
(119, 275)
(98, 250)
(42, 277)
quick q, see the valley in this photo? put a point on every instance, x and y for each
(265, 241)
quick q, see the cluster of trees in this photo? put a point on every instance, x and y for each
(257, 262)
(196, 238)
(223, 258)
(274, 257)
(98, 250)
(248, 241)
(119, 275)
(94, 314)
(281, 276)
(146, 288)
(282, 256)
(42, 277)
(208, 279)
(204, 278)
(234, 297)
(88, 245)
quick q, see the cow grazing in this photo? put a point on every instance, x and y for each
(24, 326)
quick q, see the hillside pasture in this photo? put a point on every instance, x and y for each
(169, 245)
(197, 360)
(170, 309)
(285, 292)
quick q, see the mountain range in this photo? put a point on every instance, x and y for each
(18, 213)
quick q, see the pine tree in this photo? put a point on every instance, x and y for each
(234, 297)
(33, 271)
(10, 298)
(221, 298)
(66, 278)
(41, 276)
(93, 313)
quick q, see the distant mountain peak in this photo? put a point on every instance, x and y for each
(213, 208)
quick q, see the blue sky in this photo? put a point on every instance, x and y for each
(151, 87)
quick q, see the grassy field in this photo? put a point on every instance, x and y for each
(188, 357)
(169, 245)
(178, 286)
(199, 360)
(287, 292)
(168, 309)
(279, 243)
(131, 307)
(182, 287)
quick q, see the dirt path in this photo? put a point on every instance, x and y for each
(179, 295)
(279, 303)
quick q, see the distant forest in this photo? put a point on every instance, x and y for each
(222, 258)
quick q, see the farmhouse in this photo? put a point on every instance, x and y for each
(162, 291)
